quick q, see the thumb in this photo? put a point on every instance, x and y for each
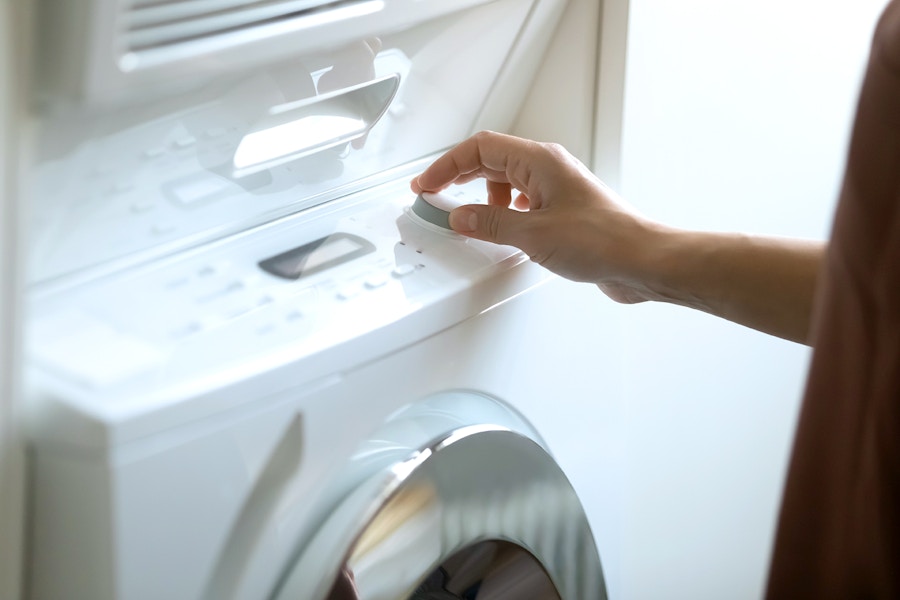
(489, 222)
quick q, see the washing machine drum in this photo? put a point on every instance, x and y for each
(480, 512)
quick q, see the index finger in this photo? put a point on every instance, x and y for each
(494, 156)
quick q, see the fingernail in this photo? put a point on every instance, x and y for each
(463, 220)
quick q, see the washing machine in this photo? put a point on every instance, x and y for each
(255, 368)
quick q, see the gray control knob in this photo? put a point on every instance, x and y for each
(435, 207)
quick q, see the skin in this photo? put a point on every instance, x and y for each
(569, 221)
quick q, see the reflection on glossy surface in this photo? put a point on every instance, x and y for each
(480, 511)
(488, 570)
(197, 161)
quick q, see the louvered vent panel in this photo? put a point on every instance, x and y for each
(158, 23)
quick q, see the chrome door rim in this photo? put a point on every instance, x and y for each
(451, 496)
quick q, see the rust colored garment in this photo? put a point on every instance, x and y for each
(839, 529)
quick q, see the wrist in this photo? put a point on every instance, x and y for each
(648, 266)
(679, 264)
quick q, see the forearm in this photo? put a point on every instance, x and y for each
(766, 283)
(573, 224)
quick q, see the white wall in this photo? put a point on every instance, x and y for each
(736, 117)
(566, 79)
(583, 68)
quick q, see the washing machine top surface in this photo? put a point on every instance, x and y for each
(311, 296)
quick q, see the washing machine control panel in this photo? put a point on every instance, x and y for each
(292, 288)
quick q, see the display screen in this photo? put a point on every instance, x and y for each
(317, 256)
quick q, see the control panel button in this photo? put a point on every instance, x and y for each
(376, 281)
(214, 132)
(349, 292)
(120, 187)
(163, 228)
(401, 271)
(154, 152)
(212, 269)
(185, 142)
(142, 206)
(197, 189)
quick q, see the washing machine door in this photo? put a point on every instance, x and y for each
(479, 511)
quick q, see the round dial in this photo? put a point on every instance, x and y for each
(435, 207)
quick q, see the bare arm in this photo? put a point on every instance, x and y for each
(573, 224)
(766, 283)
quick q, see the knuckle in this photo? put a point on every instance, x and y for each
(543, 257)
(483, 135)
(556, 150)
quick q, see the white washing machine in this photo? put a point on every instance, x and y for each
(254, 371)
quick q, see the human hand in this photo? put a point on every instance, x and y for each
(567, 219)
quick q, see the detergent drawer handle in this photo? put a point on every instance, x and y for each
(299, 129)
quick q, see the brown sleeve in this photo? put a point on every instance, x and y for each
(839, 529)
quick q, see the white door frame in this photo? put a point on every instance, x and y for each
(609, 104)
(12, 487)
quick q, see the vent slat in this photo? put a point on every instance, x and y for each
(161, 14)
(142, 3)
(152, 24)
(158, 14)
